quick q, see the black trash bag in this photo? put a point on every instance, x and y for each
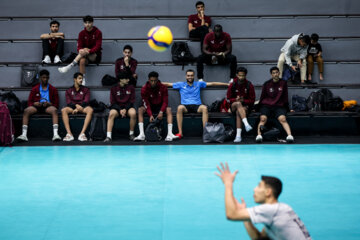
(214, 132)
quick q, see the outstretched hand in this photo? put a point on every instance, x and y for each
(225, 174)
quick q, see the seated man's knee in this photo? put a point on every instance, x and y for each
(113, 113)
(82, 61)
(132, 112)
(203, 109)
(263, 118)
(181, 109)
(282, 119)
(168, 110)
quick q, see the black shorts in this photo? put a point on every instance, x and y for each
(155, 109)
(273, 111)
(118, 108)
(192, 108)
(97, 59)
(247, 109)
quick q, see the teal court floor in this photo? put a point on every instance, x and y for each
(170, 192)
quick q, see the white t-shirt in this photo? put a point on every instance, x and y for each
(280, 220)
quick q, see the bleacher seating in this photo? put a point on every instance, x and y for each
(258, 28)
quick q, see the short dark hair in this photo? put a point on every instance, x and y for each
(54, 22)
(274, 183)
(153, 74)
(274, 68)
(315, 37)
(122, 75)
(305, 38)
(199, 3)
(218, 28)
(78, 74)
(128, 47)
(190, 70)
(241, 69)
(88, 18)
(44, 72)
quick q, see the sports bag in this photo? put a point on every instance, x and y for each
(29, 75)
(6, 126)
(335, 104)
(12, 101)
(108, 80)
(298, 103)
(316, 101)
(214, 132)
(68, 57)
(181, 54)
(97, 127)
(153, 132)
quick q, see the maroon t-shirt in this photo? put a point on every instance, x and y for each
(274, 94)
(121, 67)
(122, 96)
(80, 97)
(91, 40)
(217, 45)
(241, 90)
(53, 44)
(195, 20)
(154, 96)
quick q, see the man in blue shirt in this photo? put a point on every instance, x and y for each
(190, 98)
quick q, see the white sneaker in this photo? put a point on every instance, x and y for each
(83, 82)
(141, 137)
(231, 80)
(56, 138)
(259, 139)
(248, 128)
(64, 69)
(237, 139)
(168, 138)
(82, 137)
(57, 59)
(201, 80)
(290, 139)
(67, 138)
(22, 138)
(46, 60)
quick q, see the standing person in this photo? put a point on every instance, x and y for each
(122, 99)
(154, 96)
(216, 49)
(190, 98)
(274, 103)
(77, 100)
(295, 49)
(280, 220)
(241, 96)
(43, 98)
(199, 24)
(315, 54)
(53, 44)
(88, 46)
(127, 64)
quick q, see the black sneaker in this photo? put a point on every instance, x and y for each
(107, 139)
(132, 137)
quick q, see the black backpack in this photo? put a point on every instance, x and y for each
(97, 128)
(29, 75)
(215, 106)
(327, 96)
(153, 132)
(298, 103)
(335, 104)
(12, 101)
(68, 57)
(315, 101)
(181, 54)
(109, 80)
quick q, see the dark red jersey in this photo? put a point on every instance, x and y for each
(91, 40)
(154, 96)
(217, 44)
(195, 20)
(121, 67)
(123, 96)
(244, 89)
(274, 94)
(81, 97)
(35, 96)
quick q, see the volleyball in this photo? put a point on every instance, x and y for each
(159, 38)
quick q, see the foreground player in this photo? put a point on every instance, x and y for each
(280, 220)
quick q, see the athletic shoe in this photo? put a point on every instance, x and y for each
(68, 138)
(237, 139)
(22, 138)
(56, 138)
(258, 139)
(141, 137)
(290, 139)
(83, 82)
(107, 139)
(64, 69)
(82, 137)
(57, 59)
(248, 128)
(46, 60)
(132, 137)
(174, 137)
(231, 80)
(179, 136)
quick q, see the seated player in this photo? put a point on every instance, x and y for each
(127, 64)
(241, 96)
(199, 24)
(77, 100)
(53, 44)
(190, 98)
(154, 96)
(43, 98)
(122, 99)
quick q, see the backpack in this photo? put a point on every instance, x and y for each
(98, 107)
(6, 126)
(12, 101)
(327, 96)
(315, 101)
(271, 134)
(298, 103)
(108, 80)
(68, 57)
(291, 75)
(181, 54)
(153, 132)
(214, 132)
(335, 104)
(97, 128)
(29, 75)
(215, 106)
(229, 133)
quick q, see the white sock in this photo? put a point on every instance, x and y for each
(238, 132)
(245, 121)
(170, 128)
(131, 132)
(108, 134)
(24, 130)
(55, 128)
(141, 128)
(73, 63)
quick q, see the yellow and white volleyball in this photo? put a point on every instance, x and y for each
(160, 38)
